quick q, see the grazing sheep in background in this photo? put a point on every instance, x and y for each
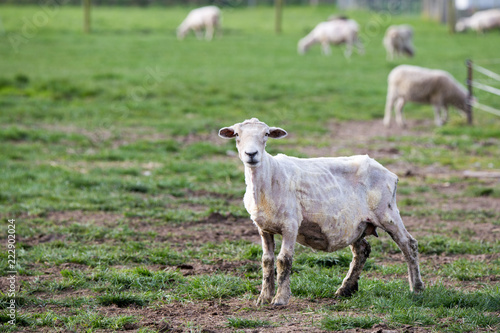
(207, 18)
(427, 86)
(339, 30)
(324, 203)
(398, 41)
(480, 21)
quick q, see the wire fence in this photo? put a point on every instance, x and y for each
(493, 77)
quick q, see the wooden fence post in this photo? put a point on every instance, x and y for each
(468, 62)
(278, 4)
(86, 16)
(451, 16)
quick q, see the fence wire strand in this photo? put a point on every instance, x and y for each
(486, 88)
(487, 72)
(487, 108)
(482, 86)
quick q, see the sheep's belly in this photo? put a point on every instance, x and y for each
(310, 234)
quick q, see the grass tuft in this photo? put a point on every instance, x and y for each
(122, 299)
(341, 323)
(236, 322)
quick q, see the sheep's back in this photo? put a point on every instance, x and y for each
(333, 179)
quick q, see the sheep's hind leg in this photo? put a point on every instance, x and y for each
(408, 245)
(360, 47)
(267, 292)
(360, 250)
(348, 50)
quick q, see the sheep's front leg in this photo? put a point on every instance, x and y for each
(267, 292)
(209, 32)
(198, 33)
(325, 48)
(444, 114)
(360, 251)
(437, 115)
(389, 105)
(400, 103)
(284, 268)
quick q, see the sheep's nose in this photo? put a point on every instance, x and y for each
(252, 154)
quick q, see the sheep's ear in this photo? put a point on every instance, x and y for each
(277, 133)
(227, 133)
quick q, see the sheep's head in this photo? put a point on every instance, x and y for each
(251, 137)
(182, 31)
(302, 46)
(462, 25)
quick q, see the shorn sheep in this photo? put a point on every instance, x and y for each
(207, 18)
(398, 41)
(427, 86)
(339, 30)
(480, 21)
(324, 203)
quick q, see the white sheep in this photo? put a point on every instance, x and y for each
(207, 18)
(427, 86)
(324, 203)
(480, 21)
(398, 41)
(339, 30)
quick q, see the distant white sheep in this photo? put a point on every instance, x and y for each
(338, 30)
(324, 203)
(480, 21)
(207, 18)
(427, 86)
(398, 41)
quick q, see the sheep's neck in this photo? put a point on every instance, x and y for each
(259, 179)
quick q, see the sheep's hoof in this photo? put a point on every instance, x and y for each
(263, 300)
(283, 303)
(347, 292)
(418, 288)
(279, 301)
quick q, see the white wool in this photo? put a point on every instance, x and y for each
(480, 21)
(422, 85)
(336, 31)
(398, 41)
(207, 18)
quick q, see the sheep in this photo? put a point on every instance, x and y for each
(207, 18)
(398, 41)
(324, 203)
(338, 30)
(480, 21)
(427, 86)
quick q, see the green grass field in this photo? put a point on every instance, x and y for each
(129, 211)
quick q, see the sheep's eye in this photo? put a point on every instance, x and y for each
(267, 134)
